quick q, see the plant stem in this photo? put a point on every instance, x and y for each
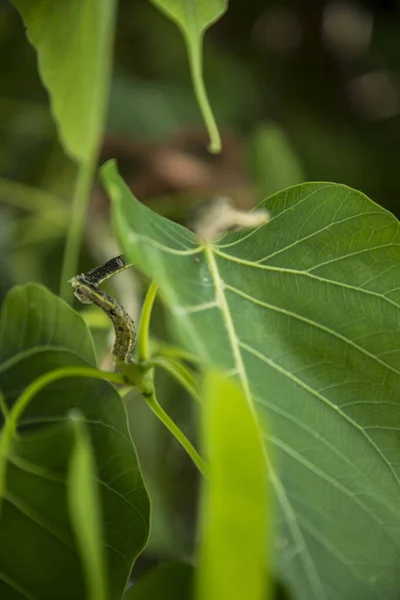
(176, 432)
(11, 422)
(74, 238)
(196, 69)
(38, 384)
(143, 353)
(176, 353)
(143, 345)
(178, 371)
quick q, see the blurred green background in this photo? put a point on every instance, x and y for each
(301, 91)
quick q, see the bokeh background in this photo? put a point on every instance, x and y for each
(301, 90)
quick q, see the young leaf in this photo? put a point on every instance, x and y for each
(306, 311)
(85, 511)
(74, 43)
(193, 19)
(38, 551)
(235, 507)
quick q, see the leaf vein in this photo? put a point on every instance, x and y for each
(305, 274)
(273, 218)
(16, 587)
(351, 255)
(319, 473)
(326, 401)
(309, 567)
(31, 514)
(312, 324)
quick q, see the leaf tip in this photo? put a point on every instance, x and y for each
(109, 168)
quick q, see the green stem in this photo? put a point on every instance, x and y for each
(44, 380)
(143, 343)
(13, 416)
(74, 238)
(179, 372)
(175, 353)
(196, 69)
(176, 432)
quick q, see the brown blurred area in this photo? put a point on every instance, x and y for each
(180, 168)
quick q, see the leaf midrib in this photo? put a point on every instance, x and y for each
(236, 344)
(283, 499)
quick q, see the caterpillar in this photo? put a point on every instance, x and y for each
(87, 291)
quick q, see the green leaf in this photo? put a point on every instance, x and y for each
(39, 555)
(33, 322)
(304, 311)
(235, 507)
(74, 46)
(275, 164)
(85, 511)
(193, 19)
(167, 580)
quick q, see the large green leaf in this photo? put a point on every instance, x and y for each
(304, 311)
(193, 19)
(73, 40)
(234, 514)
(39, 556)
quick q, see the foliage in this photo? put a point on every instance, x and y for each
(74, 55)
(302, 311)
(40, 333)
(73, 45)
(193, 18)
